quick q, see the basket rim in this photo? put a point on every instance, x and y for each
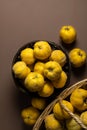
(59, 98)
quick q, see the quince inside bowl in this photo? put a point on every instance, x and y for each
(20, 82)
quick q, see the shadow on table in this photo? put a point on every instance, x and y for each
(21, 101)
(79, 72)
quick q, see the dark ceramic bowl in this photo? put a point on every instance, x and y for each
(54, 46)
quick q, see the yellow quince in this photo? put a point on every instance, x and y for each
(71, 124)
(51, 123)
(39, 103)
(27, 55)
(58, 56)
(42, 50)
(77, 98)
(60, 83)
(52, 70)
(20, 69)
(77, 57)
(68, 34)
(61, 113)
(34, 81)
(30, 115)
(47, 90)
(39, 67)
(83, 117)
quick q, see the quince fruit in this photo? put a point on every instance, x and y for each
(39, 67)
(42, 50)
(60, 113)
(51, 123)
(77, 98)
(27, 55)
(52, 70)
(67, 34)
(20, 69)
(39, 103)
(58, 56)
(71, 124)
(34, 81)
(83, 117)
(47, 90)
(30, 115)
(77, 57)
(60, 83)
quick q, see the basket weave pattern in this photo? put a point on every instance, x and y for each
(63, 95)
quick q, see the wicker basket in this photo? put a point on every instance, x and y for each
(63, 95)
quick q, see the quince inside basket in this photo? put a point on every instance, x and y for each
(67, 68)
(64, 95)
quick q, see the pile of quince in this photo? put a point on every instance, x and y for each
(59, 119)
(40, 69)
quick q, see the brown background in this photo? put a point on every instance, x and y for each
(22, 21)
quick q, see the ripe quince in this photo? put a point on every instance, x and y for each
(20, 69)
(42, 50)
(60, 83)
(83, 117)
(51, 123)
(39, 103)
(77, 98)
(27, 55)
(61, 113)
(58, 56)
(77, 57)
(30, 115)
(67, 34)
(71, 124)
(47, 90)
(52, 70)
(34, 81)
(39, 67)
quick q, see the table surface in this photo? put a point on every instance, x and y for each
(22, 21)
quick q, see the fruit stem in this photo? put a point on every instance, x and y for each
(85, 100)
(66, 28)
(79, 53)
(50, 69)
(39, 47)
